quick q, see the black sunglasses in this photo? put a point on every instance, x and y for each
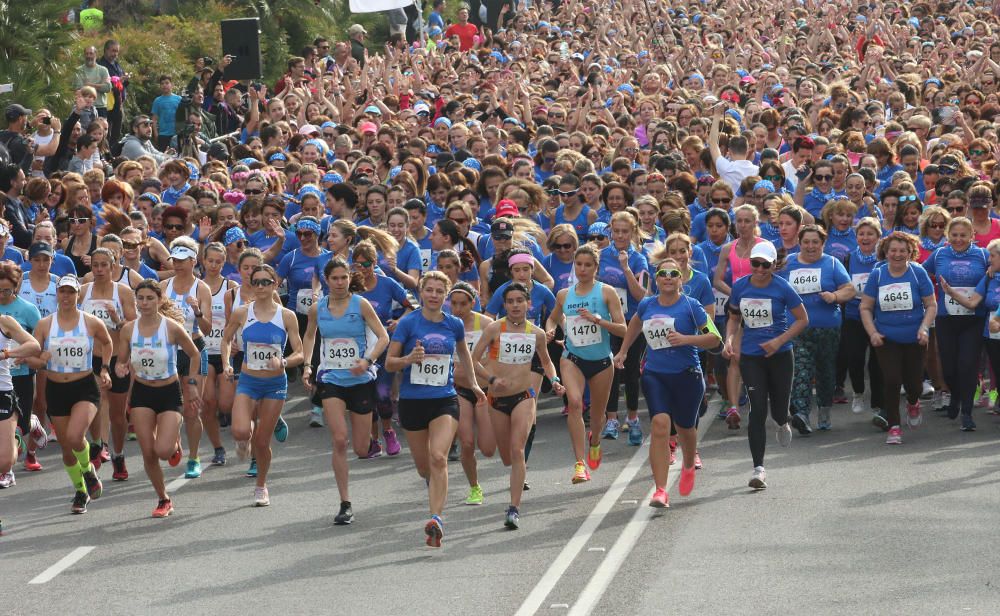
(261, 282)
(174, 227)
(596, 238)
(566, 246)
(760, 263)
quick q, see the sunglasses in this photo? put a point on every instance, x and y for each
(303, 233)
(79, 221)
(722, 201)
(905, 198)
(596, 238)
(668, 273)
(562, 246)
(568, 193)
(760, 263)
(325, 134)
(459, 221)
(936, 225)
(131, 245)
(977, 152)
(946, 170)
(174, 227)
(364, 264)
(822, 178)
(255, 191)
(774, 178)
(552, 191)
(365, 170)
(956, 210)
(261, 282)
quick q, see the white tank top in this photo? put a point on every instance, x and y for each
(213, 339)
(98, 308)
(72, 351)
(6, 384)
(190, 322)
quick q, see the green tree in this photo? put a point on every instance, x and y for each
(34, 52)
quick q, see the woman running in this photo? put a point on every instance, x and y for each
(265, 327)
(345, 377)
(194, 299)
(513, 344)
(860, 264)
(113, 303)
(589, 312)
(219, 392)
(38, 287)
(422, 347)
(759, 337)
(473, 418)
(899, 325)
(68, 339)
(675, 327)
(149, 352)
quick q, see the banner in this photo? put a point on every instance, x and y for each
(374, 6)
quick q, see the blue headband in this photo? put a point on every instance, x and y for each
(234, 234)
(307, 225)
(150, 197)
(276, 156)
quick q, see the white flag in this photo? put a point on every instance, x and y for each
(374, 6)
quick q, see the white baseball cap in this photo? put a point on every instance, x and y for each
(764, 250)
(182, 252)
(68, 280)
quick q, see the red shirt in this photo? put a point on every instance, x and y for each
(465, 34)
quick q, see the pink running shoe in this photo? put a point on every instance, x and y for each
(895, 436)
(686, 484)
(392, 446)
(913, 416)
(660, 499)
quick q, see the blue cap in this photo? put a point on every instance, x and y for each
(309, 189)
(472, 163)
(626, 87)
(443, 120)
(735, 115)
(768, 185)
(330, 176)
(600, 228)
(499, 56)
(276, 156)
(373, 109)
(913, 21)
(148, 196)
(234, 234)
(195, 173)
(394, 171)
(328, 124)
(250, 160)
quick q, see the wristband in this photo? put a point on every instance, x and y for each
(555, 380)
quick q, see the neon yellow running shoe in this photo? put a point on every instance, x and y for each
(475, 496)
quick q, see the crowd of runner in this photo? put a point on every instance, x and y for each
(793, 205)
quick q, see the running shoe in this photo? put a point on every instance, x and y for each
(281, 430)
(453, 452)
(120, 471)
(784, 434)
(130, 433)
(967, 424)
(801, 423)
(513, 519)
(176, 458)
(261, 497)
(927, 392)
(759, 479)
(242, 450)
(193, 469)
(475, 496)
(895, 436)
(94, 486)
(31, 462)
(219, 458)
(38, 435)
(19, 443)
(80, 500)
(105, 453)
(225, 419)
(723, 410)
(252, 471)
(982, 397)
(374, 449)
(697, 460)
(879, 421)
(7, 480)
(392, 446)
(839, 397)
(945, 400)
(913, 416)
(53, 437)
(673, 452)
(580, 473)
(823, 420)
(346, 514)
(858, 404)
(634, 433)
(164, 508)
(95, 455)
(526, 486)
(935, 403)
(733, 418)
(316, 417)
(660, 499)
(565, 411)
(610, 430)
(434, 529)
(593, 453)
(953, 410)
(686, 483)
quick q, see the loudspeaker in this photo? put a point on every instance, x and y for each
(241, 39)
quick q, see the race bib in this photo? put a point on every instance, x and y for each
(622, 296)
(895, 296)
(425, 259)
(304, 300)
(859, 281)
(259, 355)
(99, 308)
(805, 280)
(69, 353)
(339, 353)
(213, 339)
(656, 331)
(954, 308)
(582, 332)
(756, 312)
(516, 348)
(150, 363)
(472, 338)
(283, 288)
(432, 371)
(721, 299)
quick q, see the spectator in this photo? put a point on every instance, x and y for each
(119, 87)
(92, 74)
(13, 138)
(140, 143)
(464, 30)
(164, 113)
(357, 34)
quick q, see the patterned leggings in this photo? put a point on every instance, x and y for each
(815, 360)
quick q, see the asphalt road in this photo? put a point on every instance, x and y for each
(847, 525)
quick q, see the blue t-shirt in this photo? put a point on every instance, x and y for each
(859, 268)
(899, 307)
(407, 258)
(298, 269)
(61, 265)
(688, 318)
(611, 274)
(165, 109)
(989, 289)
(27, 316)
(962, 271)
(809, 279)
(386, 292)
(561, 272)
(439, 339)
(815, 200)
(543, 302)
(698, 287)
(765, 312)
(839, 244)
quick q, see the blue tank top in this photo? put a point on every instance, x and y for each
(343, 341)
(45, 300)
(263, 340)
(71, 350)
(584, 339)
(153, 358)
(579, 223)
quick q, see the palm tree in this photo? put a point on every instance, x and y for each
(34, 45)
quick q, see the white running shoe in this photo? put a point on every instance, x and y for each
(784, 435)
(261, 497)
(858, 404)
(928, 391)
(759, 479)
(7, 480)
(38, 435)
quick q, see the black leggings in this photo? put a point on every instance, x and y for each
(24, 399)
(630, 375)
(960, 340)
(857, 343)
(902, 364)
(767, 380)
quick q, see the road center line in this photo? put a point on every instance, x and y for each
(599, 582)
(64, 563)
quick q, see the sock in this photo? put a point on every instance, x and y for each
(83, 458)
(527, 445)
(76, 477)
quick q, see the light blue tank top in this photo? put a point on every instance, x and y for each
(45, 300)
(153, 358)
(261, 340)
(72, 351)
(343, 340)
(584, 339)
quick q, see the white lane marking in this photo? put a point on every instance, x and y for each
(582, 536)
(177, 484)
(64, 563)
(622, 547)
